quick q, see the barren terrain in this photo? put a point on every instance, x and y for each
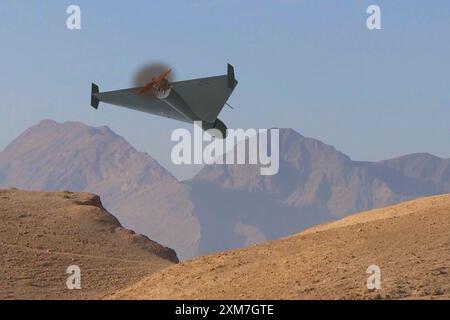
(41, 234)
(410, 242)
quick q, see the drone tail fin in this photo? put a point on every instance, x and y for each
(94, 100)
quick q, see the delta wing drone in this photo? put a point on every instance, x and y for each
(190, 100)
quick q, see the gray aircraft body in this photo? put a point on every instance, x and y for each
(190, 100)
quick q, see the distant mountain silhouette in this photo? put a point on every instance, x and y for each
(134, 187)
(315, 183)
(223, 206)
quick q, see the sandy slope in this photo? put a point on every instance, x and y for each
(41, 234)
(410, 242)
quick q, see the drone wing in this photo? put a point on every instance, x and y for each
(204, 97)
(207, 96)
(132, 99)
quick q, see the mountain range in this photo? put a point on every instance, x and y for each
(223, 206)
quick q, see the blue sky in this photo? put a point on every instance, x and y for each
(310, 65)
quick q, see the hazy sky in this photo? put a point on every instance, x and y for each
(310, 65)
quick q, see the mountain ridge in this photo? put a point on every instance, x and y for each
(223, 206)
(315, 183)
(71, 156)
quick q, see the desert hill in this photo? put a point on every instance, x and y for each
(41, 234)
(410, 243)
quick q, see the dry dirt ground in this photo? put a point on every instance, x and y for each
(410, 242)
(41, 234)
